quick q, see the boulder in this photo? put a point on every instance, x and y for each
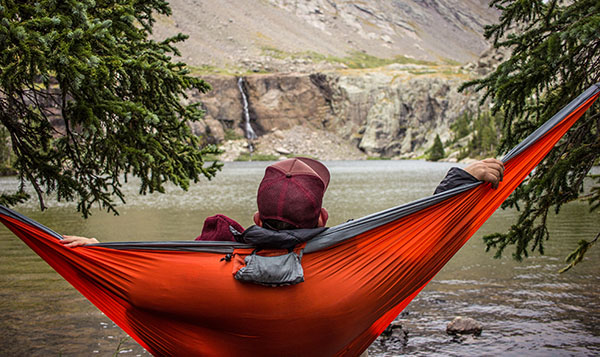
(283, 151)
(396, 332)
(464, 326)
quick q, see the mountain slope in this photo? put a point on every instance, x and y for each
(244, 33)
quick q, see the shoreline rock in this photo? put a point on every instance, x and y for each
(296, 141)
(464, 326)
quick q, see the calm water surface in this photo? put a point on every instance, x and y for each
(526, 308)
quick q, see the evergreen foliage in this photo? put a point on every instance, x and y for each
(555, 56)
(88, 99)
(482, 132)
(462, 125)
(436, 152)
(485, 135)
(6, 154)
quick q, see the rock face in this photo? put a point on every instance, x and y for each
(223, 109)
(395, 111)
(301, 140)
(275, 102)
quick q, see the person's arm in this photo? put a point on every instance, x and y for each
(487, 170)
(75, 241)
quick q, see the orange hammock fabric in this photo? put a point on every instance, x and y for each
(179, 298)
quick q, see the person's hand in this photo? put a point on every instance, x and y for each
(75, 241)
(488, 170)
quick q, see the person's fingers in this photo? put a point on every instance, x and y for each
(488, 174)
(75, 241)
(487, 170)
(496, 165)
(493, 177)
(496, 172)
(68, 239)
(492, 160)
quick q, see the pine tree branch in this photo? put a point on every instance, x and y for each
(555, 54)
(118, 96)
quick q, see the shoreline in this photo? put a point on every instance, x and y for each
(302, 141)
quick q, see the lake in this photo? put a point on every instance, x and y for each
(525, 308)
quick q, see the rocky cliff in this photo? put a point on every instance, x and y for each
(394, 111)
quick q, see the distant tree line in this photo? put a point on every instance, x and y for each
(481, 133)
(474, 135)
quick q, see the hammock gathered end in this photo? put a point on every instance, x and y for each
(180, 298)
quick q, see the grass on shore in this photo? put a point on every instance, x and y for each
(256, 157)
(223, 71)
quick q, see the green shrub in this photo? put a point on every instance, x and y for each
(436, 152)
(230, 134)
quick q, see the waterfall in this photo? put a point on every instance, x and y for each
(250, 134)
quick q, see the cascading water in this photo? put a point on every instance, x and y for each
(250, 134)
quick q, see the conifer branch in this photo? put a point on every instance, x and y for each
(118, 99)
(555, 54)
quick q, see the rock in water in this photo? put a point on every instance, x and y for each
(464, 326)
(395, 332)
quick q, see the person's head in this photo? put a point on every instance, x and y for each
(290, 195)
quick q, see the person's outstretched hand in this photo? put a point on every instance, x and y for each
(487, 170)
(75, 241)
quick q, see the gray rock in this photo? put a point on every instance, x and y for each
(396, 332)
(464, 326)
(283, 151)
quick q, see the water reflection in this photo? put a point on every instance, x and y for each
(525, 308)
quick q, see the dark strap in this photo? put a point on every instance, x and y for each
(284, 239)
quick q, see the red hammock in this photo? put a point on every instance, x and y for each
(179, 298)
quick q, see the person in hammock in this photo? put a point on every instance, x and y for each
(290, 199)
